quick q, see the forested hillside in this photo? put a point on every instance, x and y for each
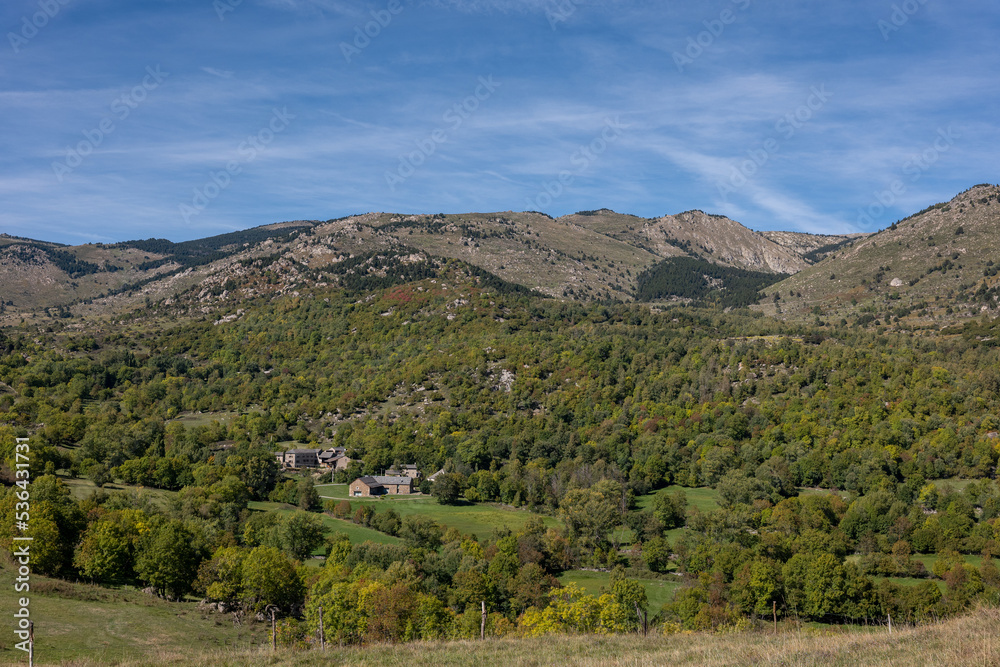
(828, 453)
(702, 283)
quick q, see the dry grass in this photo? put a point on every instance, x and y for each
(970, 640)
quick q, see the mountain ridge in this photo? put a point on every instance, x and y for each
(911, 274)
(588, 255)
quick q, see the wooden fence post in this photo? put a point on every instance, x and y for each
(31, 644)
(482, 625)
(889, 616)
(274, 634)
(322, 636)
(643, 619)
(774, 611)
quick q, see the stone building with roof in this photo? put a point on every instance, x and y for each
(381, 485)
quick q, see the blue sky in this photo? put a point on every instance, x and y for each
(182, 119)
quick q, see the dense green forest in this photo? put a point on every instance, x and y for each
(66, 261)
(828, 450)
(703, 283)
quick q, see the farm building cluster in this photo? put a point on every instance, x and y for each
(334, 458)
(402, 480)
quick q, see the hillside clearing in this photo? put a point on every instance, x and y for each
(479, 519)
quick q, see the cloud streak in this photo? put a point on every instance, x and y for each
(688, 131)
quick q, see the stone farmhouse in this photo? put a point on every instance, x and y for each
(409, 470)
(367, 486)
(300, 458)
(334, 458)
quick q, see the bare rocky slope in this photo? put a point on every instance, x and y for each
(694, 233)
(810, 244)
(935, 267)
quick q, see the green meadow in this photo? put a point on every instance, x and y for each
(356, 533)
(704, 499)
(107, 625)
(480, 520)
(81, 489)
(658, 591)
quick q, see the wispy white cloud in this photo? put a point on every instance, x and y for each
(341, 7)
(222, 74)
(792, 213)
(688, 131)
(490, 6)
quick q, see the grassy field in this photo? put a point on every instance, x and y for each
(952, 483)
(357, 533)
(82, 488)
(470, 518)
(105, 626)
(806, 491)
(193, 419)
(705, 499)
(969, 640)
(658, 591)
(928, 560)
(910, 581)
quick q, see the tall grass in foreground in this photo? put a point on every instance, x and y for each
(969, 640)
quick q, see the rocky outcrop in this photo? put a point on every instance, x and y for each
(803, 244)
(723, 241)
